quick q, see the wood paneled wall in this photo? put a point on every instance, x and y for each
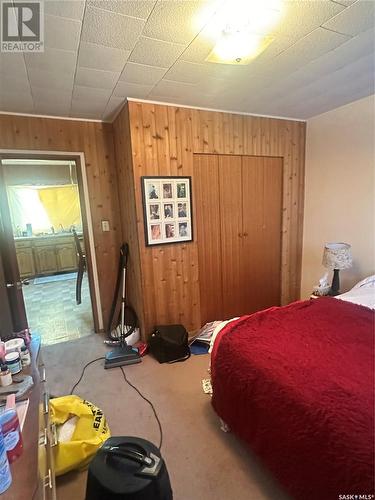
(163, 141)
(95, 140)
(128, 211)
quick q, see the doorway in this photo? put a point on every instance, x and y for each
(47, 226)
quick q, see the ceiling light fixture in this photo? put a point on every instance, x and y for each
(241, 28)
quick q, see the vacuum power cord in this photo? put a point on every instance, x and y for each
(132, 386)
(83, 372)
(149, 402)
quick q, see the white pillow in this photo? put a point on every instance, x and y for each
(368, 282)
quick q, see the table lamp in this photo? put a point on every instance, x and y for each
(337, 256)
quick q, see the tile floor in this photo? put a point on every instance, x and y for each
(52, 311)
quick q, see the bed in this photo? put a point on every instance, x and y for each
(296, 383)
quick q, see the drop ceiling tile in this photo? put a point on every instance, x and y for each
(16, 102)
(10, 84)
(325, 99)
(59, 80)
(363, 68)
(71, 9)
(307, 69)
(89, 105)
(187, 72)
(213, 86)
(337, 83)
(169, 89)
(11, 62)
(111, 29)
(85, 115)
(136, 8)
(96, 78)
(98, 95)
(61, 33)
(302, 52)
(52, 60)
(13, 74)
(41, 95)
(124, 89)
(114, 106)
(302, 17)
(141, 74)
(345, 3)
(176, 21)
(55, 108)
(92, 55)
(356, 47)
(198, 49)
(155, 52)
(357, 18)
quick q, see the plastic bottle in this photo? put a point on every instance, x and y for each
(5, 475)
(11, 432)
(25, 356)
(5, 376)
(2, 351)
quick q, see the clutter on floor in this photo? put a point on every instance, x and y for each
(200, 343)
(207, 386)
(192, 434)
(128, 468)
(127, 322)
(169, 343)
(74, 450)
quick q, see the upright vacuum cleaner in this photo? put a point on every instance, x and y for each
(124, 354)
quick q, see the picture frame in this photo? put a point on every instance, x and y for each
(167, 209)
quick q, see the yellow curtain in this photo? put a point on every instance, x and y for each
(62, 205)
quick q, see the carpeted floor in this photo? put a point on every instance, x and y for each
(204, 463)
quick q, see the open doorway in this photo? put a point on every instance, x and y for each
(49, 240)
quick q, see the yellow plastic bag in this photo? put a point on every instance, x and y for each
(90, 432)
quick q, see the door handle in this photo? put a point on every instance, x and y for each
(17, 284)
(240, 235)
(246, 234)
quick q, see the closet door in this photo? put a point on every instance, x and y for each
(234, 300)
(262, 217)
(208, 233)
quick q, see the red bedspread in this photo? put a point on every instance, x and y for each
(296, 383)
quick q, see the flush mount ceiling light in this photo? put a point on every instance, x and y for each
(240, 30)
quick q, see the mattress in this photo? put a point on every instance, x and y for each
(296, 383)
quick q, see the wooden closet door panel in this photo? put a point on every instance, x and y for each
(234, 303)
(207, 229)
(262, 218)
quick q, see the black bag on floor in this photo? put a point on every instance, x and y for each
(128, 468)
(169, 343)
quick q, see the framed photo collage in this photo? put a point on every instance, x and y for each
(167, 209)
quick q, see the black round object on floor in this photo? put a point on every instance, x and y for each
(128, 468)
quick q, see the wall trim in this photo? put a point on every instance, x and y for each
(81, 156)
(148, 101)
(53, 117)
(174, 105)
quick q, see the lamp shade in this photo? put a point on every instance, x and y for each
(337, 256)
